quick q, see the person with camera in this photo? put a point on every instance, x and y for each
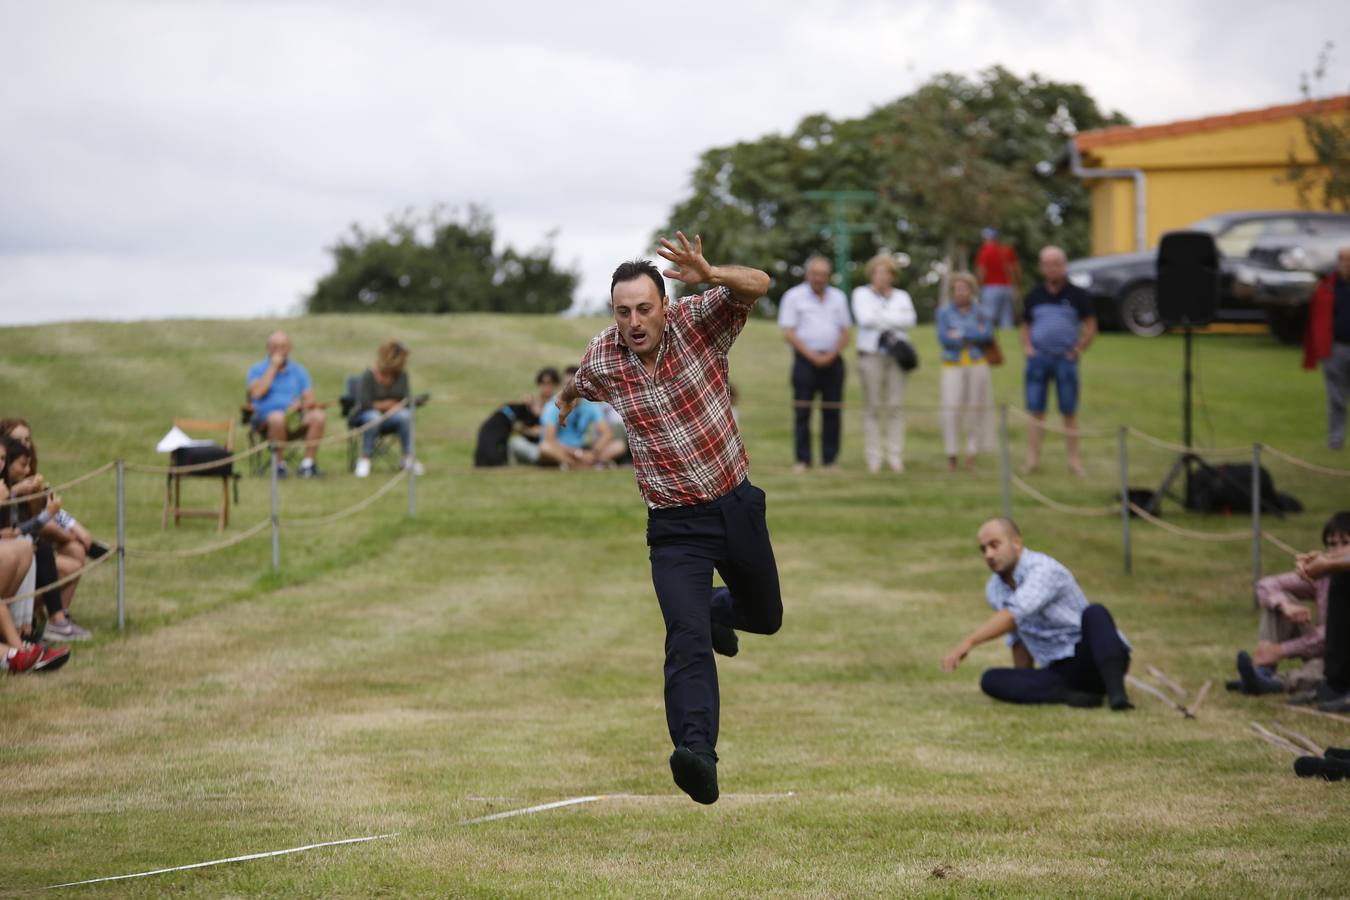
(884, 314)
(815, 321)
(965, 330)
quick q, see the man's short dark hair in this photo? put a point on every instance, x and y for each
(634, 269)
(1337, 524)
(547, 373)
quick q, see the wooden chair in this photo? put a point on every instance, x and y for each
(173, 488)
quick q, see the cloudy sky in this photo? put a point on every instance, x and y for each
(194, 158)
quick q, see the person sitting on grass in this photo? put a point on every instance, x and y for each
(584, 440)
(1064, 649)
(283, 401)
(16, 654)
(59, 554)
(382, 387)
(1332, 694)
(511, 433)
(1287, 629)
(20, 430)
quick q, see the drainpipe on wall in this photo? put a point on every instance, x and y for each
(1140, 197)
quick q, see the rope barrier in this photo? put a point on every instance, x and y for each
(1280, 544)
(197, 551)
(57, 488)
(61, 582)
(1182, 448)
(1063, 507)
(196, 467)
(351, 510)
(1304, 464)
(1213, 536)
(1059, 429)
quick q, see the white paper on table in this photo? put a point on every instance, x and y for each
(176, 439)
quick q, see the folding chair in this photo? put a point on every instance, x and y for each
(173, 486)
(384, 440)
(259, 463)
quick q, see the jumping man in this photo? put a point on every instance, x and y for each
(663, 367)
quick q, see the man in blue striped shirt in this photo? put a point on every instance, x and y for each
(1064, 649)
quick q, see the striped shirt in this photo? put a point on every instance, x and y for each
(685, 443)
(1046, 603)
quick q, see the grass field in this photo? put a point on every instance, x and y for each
(503, 649)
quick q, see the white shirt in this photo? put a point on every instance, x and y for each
(817, 321)
(875, 314)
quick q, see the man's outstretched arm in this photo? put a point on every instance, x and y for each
(746, 284)
(997, 625)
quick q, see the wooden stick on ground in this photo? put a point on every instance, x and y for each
(1200, 697)
(1277, 741)
(1317, 712)
(1168, 683)
(1150, 689)
(1299, 739)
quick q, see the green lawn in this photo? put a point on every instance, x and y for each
(503, 649)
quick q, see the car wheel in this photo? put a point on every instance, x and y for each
(1287, 324)
(1139, 311)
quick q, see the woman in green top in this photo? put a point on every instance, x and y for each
(382, 387)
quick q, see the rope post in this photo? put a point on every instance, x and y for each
(1007, 465)
(121, 544)
(412, 460)
(1256, 518)
(1125, 504)
(276, 517)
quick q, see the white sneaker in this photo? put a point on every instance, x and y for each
(414, 466)
(362, 468)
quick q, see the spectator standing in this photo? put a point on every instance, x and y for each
(283, 403)
(1058, 326)
(815, 321)
(1000, 273)
(382, 388)
(1327, 341)
(882, 310)
(964, 329)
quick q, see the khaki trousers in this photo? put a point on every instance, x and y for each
(883, 384)
(967, 405)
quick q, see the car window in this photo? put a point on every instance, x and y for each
(1329, 226)
(1238, 240)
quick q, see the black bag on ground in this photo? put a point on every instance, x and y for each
(1228, 488)
(901, 350)
(195, 456)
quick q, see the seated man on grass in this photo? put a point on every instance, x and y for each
(1063, 649)
(283, 401)
(584, 440)
(1287, 629)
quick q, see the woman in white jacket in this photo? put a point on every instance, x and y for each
(879, 307)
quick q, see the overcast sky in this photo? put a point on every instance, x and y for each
(195, 158)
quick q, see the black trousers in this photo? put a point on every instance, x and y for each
(687, 543)
(1336, 656)
(1080, 672)
(807, 382)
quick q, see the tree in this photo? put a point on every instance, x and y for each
(1325, 182)
(438, 263)
(956, 155)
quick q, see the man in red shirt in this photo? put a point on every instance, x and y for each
(1000, 278)
(1327, 341)
(663, 367)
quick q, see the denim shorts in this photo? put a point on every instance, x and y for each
(1040, 370)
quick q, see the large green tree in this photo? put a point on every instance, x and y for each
(438, 263)
(954, 156)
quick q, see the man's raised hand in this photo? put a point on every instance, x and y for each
(691, 267)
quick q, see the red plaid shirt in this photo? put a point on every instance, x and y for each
(685, 443)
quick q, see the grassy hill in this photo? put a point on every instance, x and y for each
(503, 649)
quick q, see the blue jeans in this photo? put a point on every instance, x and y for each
(400, 421)
(1041, 368)
(997, 301)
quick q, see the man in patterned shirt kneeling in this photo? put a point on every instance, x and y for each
(663, 367)
(1064, 649)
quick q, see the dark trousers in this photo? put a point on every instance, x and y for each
(1080, 672)
(1336, 656)
(687, 543)
(807, 381)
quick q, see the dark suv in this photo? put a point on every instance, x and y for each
(1122, 286)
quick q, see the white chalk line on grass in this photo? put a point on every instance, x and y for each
(507, 814)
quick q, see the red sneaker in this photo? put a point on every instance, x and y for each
(24, 658)
(52, 658)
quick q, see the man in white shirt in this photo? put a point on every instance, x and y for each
(815, 321)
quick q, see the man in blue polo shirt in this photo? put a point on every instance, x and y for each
(1058, 325)
(284, 407)
(573, 445)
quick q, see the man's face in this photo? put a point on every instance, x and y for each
(1054, 267)
(1000, 547)
(818, 275)
(1343, 263)
(1336, 542)
(640, 313)
(279, 346)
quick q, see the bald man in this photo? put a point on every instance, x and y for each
(1064, 650)
(284, 407)
(1058, 325)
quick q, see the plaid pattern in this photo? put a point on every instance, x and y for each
(685, 444)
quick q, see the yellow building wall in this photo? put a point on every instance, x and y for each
(1191, 176)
